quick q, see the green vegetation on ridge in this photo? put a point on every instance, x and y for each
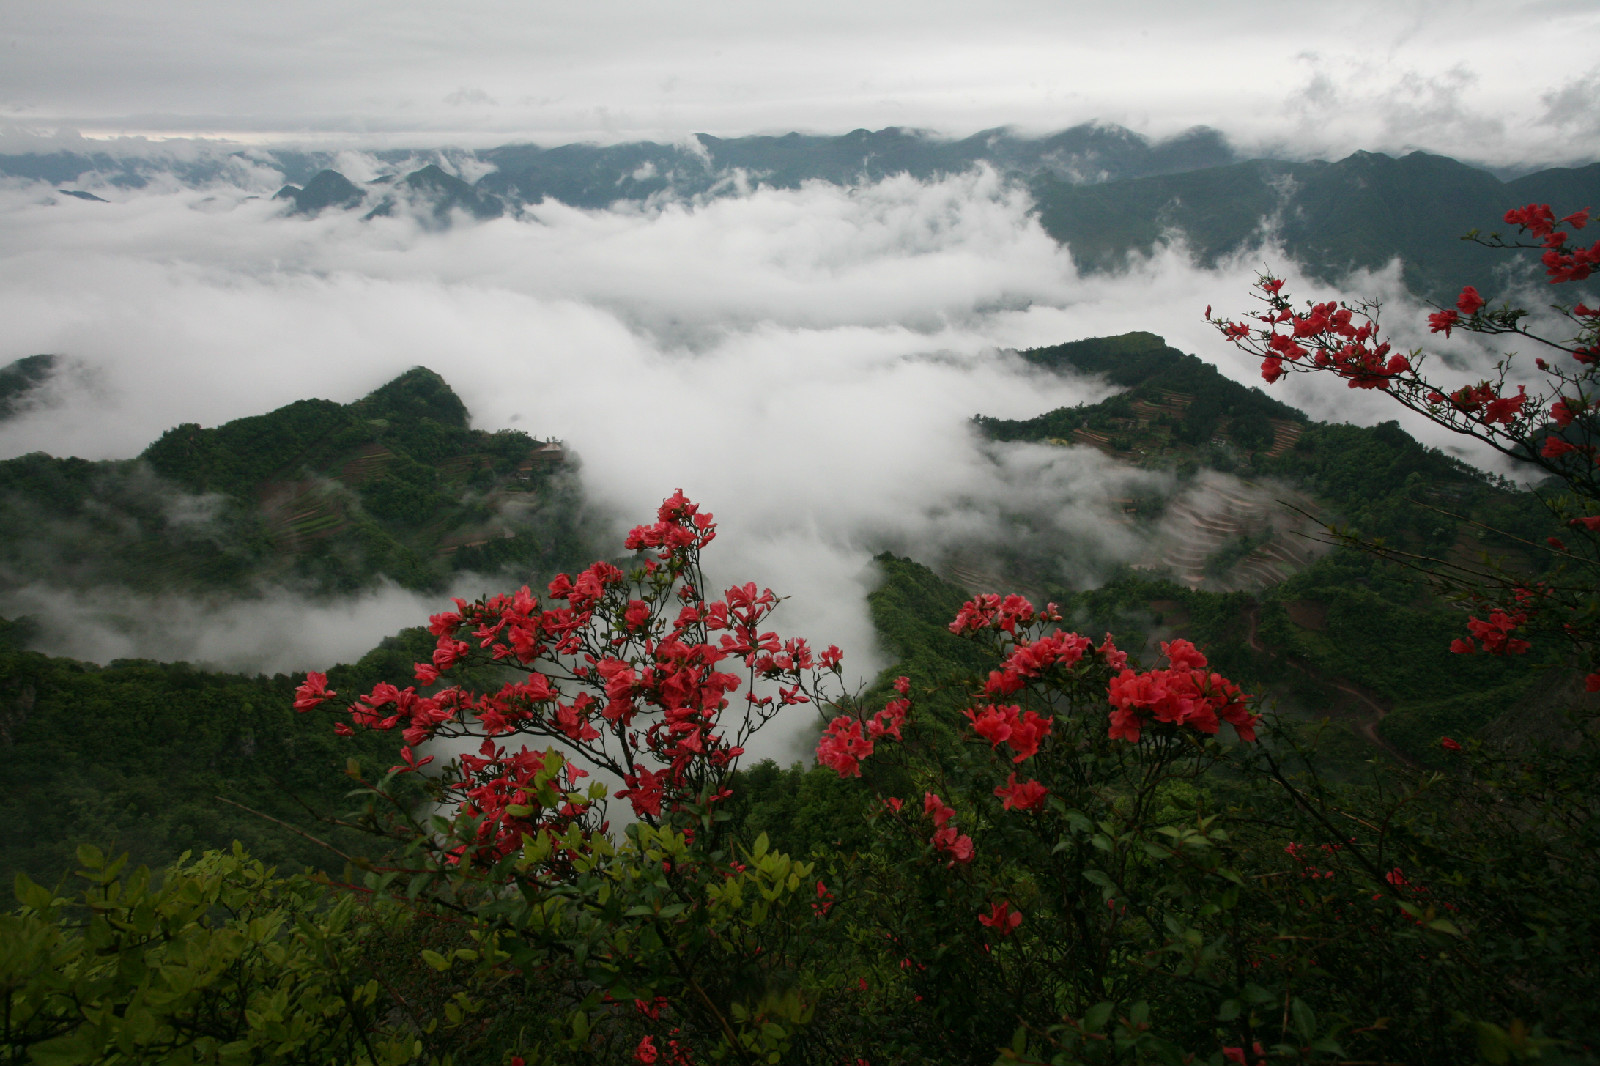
(317, 494)
(1347, 629)
(132, 756)
(1358, 213)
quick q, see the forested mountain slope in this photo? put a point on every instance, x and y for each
(319, 495)
(1333, 218)
(145, 757)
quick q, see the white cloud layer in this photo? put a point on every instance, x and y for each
(802, 362)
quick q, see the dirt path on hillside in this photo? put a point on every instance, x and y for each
(1368, 726)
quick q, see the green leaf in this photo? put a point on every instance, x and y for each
(73, 1049)
(1304, 1019)
(1445, 925)
(31, 895)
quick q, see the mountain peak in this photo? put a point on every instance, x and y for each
(417, 394)
(328, 188)
(446, 192)
(19, 379)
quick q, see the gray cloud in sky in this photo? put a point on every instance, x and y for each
(1575, 106)
(488, 70)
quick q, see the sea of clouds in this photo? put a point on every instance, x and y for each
(803, 362)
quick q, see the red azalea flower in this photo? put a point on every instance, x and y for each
(1001, 918)
(1555, 447)
(1023, 795)
(1443, 322)
(314, 691)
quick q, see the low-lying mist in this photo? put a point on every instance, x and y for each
(805, 363)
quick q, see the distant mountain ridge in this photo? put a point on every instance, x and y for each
(1104, 191)
(1333, 218)
(589, 175)
(432, 184)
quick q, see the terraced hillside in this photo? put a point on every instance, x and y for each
(1247, 473)
(1233, 558)
(1227, 534)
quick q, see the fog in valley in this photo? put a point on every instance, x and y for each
(803, 362)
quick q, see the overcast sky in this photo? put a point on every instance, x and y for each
(1502, 81)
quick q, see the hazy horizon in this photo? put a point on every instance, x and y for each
(1275, 80)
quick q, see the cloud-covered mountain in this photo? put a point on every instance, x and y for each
(317, 496)
(1101, 190)
(1356, 214)
(21, 381)
(749, 344)
(326, 189)
(590, 175)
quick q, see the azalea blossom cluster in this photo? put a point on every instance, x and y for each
(1018, 729)
(1494, 635)
(634, 674)
(1033, 717)
(1038, 665)
(1001, 918)
(1553, 426)
(1301, 854)
(1327, 336)
(1344, 340)
(1560, 262)
(508, 797)
(1185, 694)
(842, 745)
(946, 837)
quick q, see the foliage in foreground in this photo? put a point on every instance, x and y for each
(1067, 857)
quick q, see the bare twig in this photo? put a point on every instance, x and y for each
(291, 828)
